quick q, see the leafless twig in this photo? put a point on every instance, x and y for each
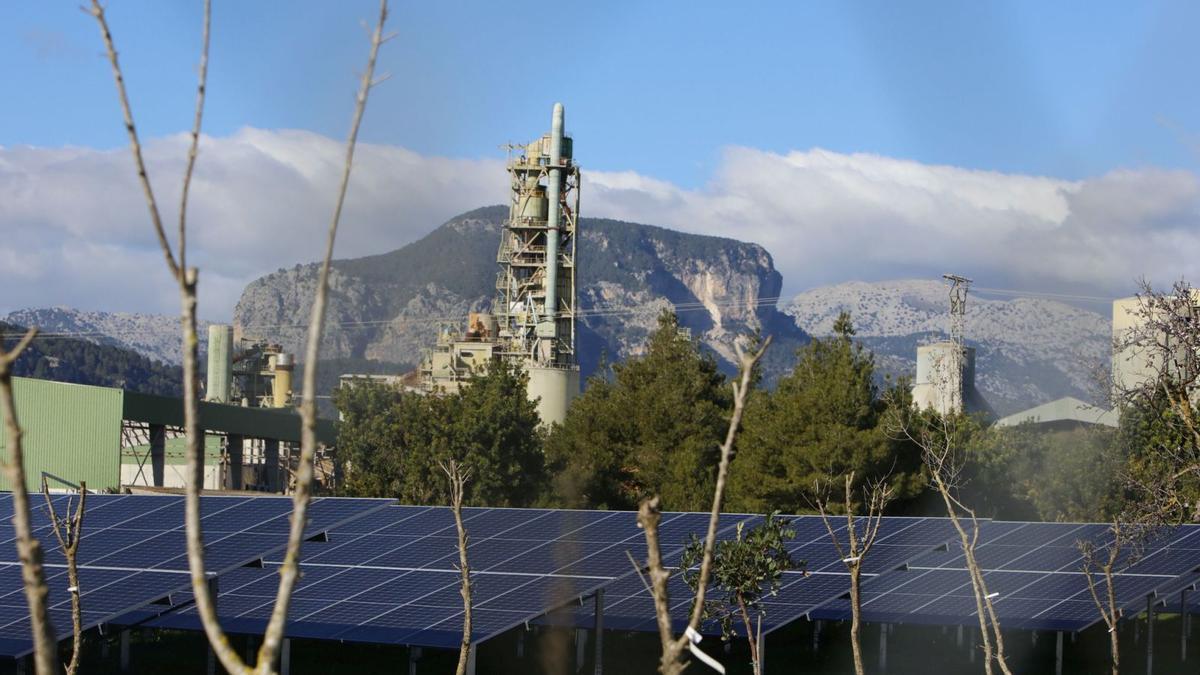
(187, 279)
(939, 438)
(68, 530)
(860, 537)
(458, 477)
(673, 659)
(29, 550)
(289, 571)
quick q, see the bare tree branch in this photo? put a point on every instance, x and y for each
(193, 149)
(289, 571)
(860, 537)
(673, 660)
(187, 280)
(29, 550)
(458, 477)
(939, 438)
(68, 531)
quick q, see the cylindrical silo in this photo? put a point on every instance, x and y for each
(281, 390)
(554, 389)
(220, 363)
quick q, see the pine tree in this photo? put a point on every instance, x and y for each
(655, 428)
(823, 420)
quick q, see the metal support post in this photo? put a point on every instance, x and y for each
(234, 446)
(158, 442)
(1058, 651)
(958, 639)
(580, 648)
(598, 660)
(1183, 625)
(816, 635)
(214, 590)
(883, 633)
(414, 655)
(271, 464)
(125, 651)
(471, 660)
(1149, 636)
(971, 646)
(285, 657)
(521, 644)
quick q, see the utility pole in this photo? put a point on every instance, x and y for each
(959, 285)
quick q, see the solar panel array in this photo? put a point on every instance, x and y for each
(1036, 571)
(391, 577)
(132, 552)
(629, 606)
(388, 573)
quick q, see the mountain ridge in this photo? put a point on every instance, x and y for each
(389, 306)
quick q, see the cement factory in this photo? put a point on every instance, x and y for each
(532, 322)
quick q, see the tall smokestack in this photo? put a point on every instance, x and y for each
(553, 190)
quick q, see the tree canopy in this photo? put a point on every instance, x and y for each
(653, 428)
(390, 441)
(823, 420)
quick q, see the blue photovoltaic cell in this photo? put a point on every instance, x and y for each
(1037, 571)
(628, 605)
(391, 576)
(132, 552)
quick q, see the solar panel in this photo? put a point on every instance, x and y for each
(629, 606)
(132, 552)
(1036, 570)
(391, 577)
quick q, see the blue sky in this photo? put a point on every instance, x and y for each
(1060, 89)
(1040, 146)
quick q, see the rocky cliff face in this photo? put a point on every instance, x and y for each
(389, 307)
(1028, 350)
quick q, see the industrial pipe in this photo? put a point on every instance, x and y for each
(552, 217)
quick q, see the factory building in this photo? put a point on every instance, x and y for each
(1132, 364)
(115, 439)
(532, 322)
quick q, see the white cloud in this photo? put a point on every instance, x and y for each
(78, 230)
(829, 217)
(77, 233)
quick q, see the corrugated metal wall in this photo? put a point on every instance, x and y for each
(71, 430)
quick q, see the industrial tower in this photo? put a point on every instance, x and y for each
(533, 319)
